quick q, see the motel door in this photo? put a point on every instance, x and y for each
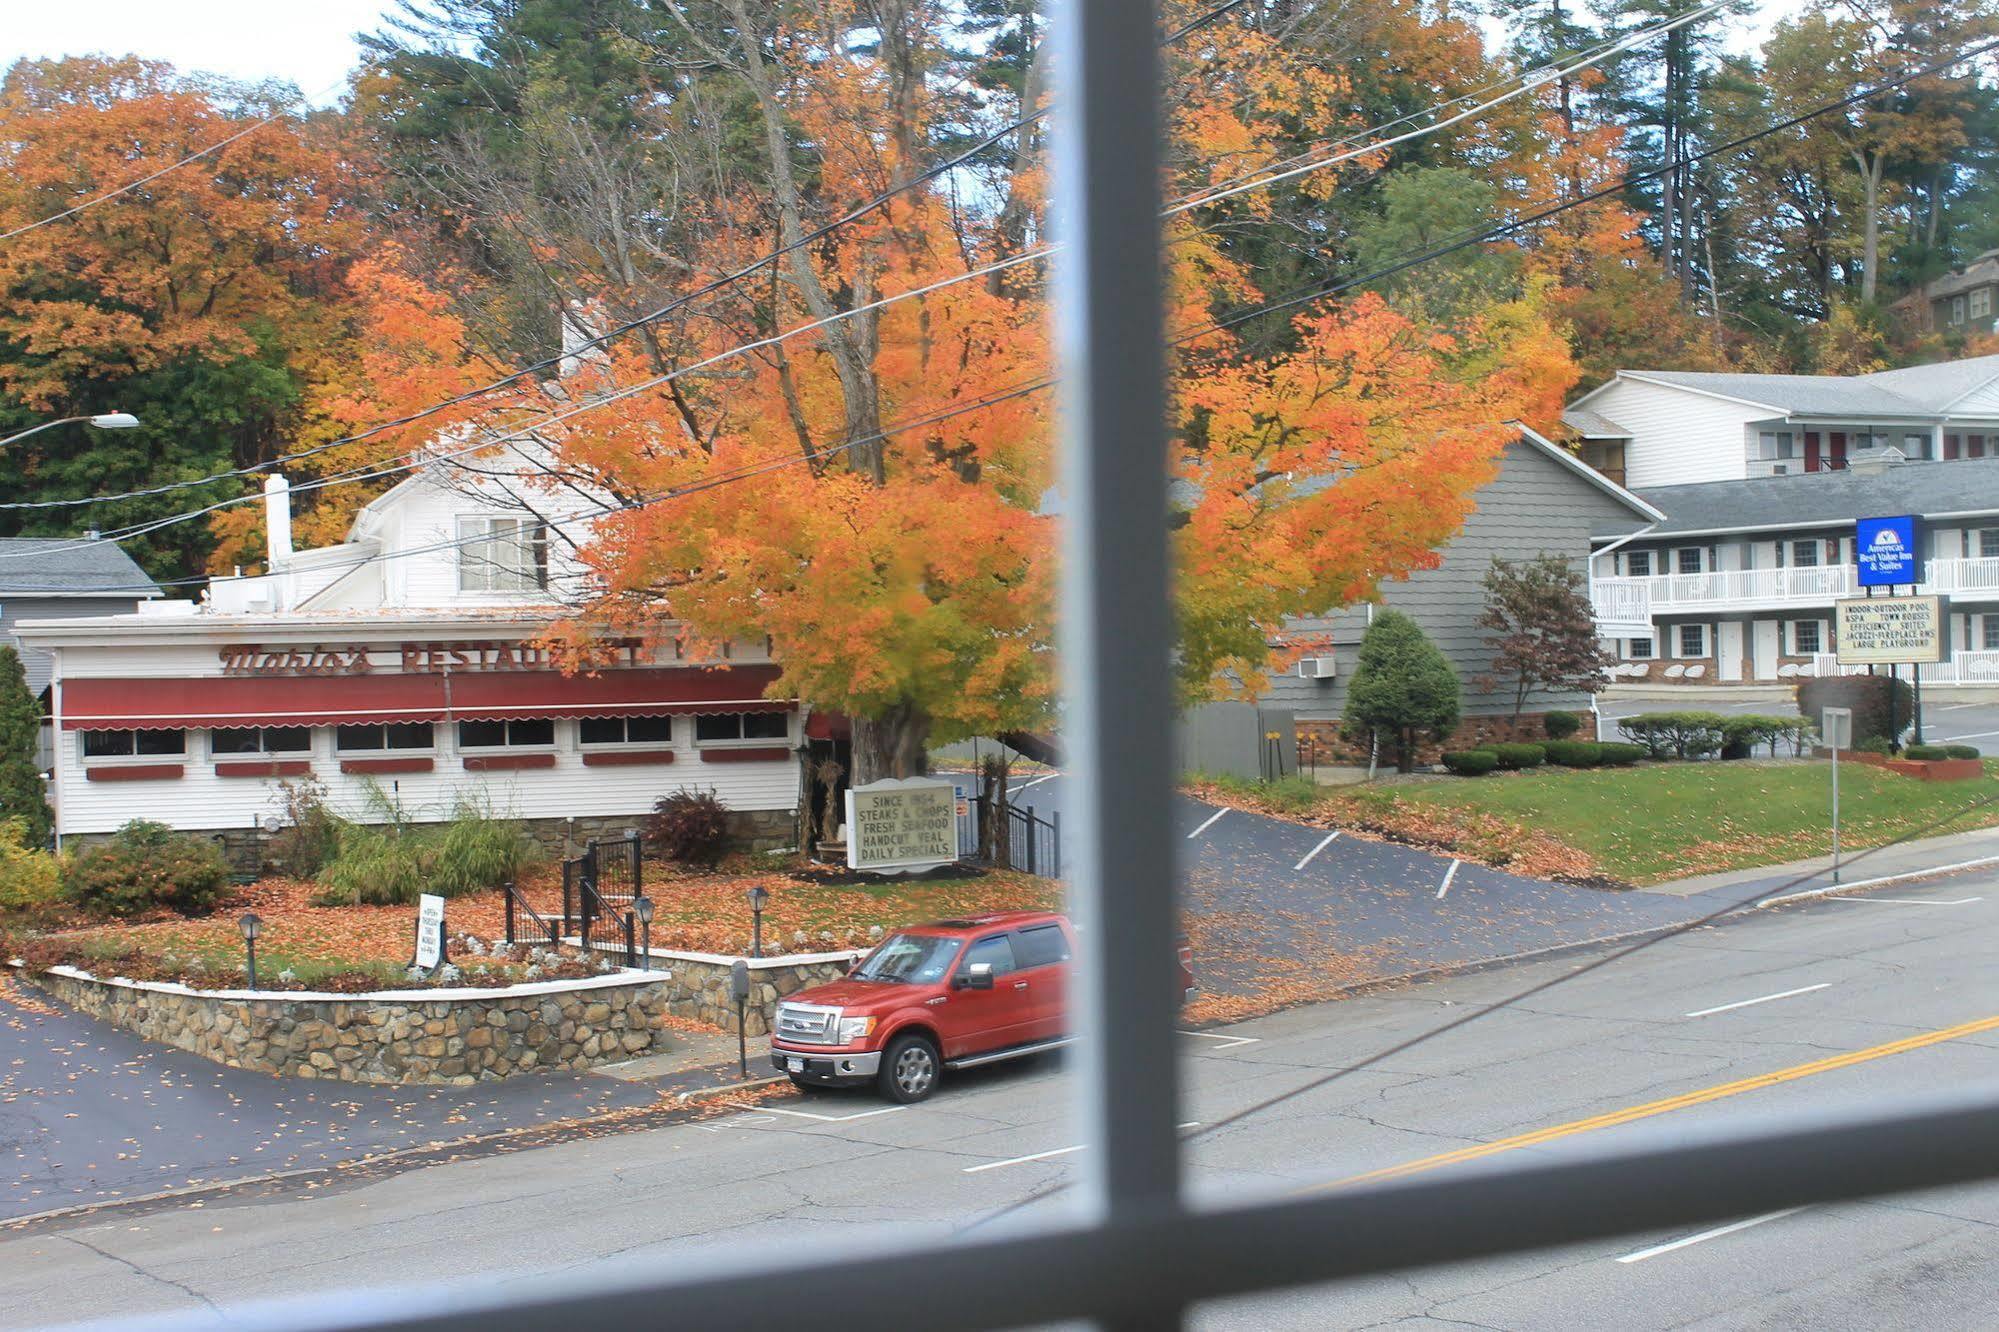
(1728, 650)
(1763, 640)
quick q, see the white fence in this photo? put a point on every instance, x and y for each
(1964, 668)
(1624, 600)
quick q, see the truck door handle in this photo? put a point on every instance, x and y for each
(1020, 985)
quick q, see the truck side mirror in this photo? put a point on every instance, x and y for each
(977, 976)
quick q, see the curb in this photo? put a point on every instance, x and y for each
(703, 1093)
(1909, 876)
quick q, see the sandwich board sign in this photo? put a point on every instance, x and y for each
(1885, 550)
(902, 826)
(429, 932)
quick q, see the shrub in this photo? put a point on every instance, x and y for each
(1875, 745)
(1520, 756)
(1471, 762)
(1574, 753)
(1742, 734)
(30, 880)
(22, 793)
(1926, 752)
(689, 826)
(1961, 751)
(1870, 697)
(147, 865)
(1619, 755)
(393, 864)
(1684, 735)
(1560, 725)
(310, 838)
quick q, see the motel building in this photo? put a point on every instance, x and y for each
(400, 670)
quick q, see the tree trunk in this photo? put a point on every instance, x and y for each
(1870, 247)
(1405, 750)
(894, 744)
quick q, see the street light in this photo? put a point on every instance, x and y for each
(758, 897)
(252, 925)
(101, 421)
(642, 908)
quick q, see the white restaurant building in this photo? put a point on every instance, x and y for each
(401, 668)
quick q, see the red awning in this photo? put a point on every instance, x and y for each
(163, 704)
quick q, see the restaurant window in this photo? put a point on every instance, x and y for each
(627, 730)
(1806, 638)
(1693, 640)
(502, 555)
(1640, 649)
(721, 728)
(380, 736)
(134, 744)
(521, 733)
(260, 740)
(1638, 563)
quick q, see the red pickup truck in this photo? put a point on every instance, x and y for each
(952, 994)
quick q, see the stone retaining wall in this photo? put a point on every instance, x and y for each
(700, 985)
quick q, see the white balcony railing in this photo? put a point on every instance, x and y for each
(1963, 668)
(1625, 600)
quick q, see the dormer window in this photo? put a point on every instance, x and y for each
(502, 555)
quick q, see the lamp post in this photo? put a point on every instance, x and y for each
(758, 897)
(101, 421)
(642, 908)
(252, 925)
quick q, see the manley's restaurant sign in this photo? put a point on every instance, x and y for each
(415, 658)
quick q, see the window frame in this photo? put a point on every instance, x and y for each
(508, 745)
(625, 742)
(1631, 555)
(1957, 309)
(536, 575)
(1680, 652)
(1700, 555)
(1979, 302)
(340, 750)
(132, 757)
(1798, 649)
(1988, 632)
(263, 749)
(741, 741)
(1651, 653)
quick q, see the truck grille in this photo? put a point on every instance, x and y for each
(802, 1024)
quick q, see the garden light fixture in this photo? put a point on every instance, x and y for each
(758, 897)
(252, 925)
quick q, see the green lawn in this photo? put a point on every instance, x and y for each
(1667, 820)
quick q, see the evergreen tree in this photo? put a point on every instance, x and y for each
(1402, 685)
(21, 792)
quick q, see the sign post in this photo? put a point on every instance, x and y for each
(1885, 554)
(1838, 731)
(429, 933)
(902, 826)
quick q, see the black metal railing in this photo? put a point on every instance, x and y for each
(598, 889)
(523, 919)
(1029, 843)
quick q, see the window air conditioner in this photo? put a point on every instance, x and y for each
(1315, 668)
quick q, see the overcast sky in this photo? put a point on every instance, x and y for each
(309, 43)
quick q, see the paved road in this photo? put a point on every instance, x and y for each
(1278, 903)
(1774, 991)
(1944, 721)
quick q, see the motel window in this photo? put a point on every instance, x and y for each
(720, 728)
(1640, 649)
(521, 733)
(260, 740)
(1981, 303)
(1775, 444)
(1988, 633)
(502, 555)
(391, 735)
(1804, 554)
(134, 744)
(1638, 563)
(1988, 543)
(1693, 640)
(1806, 638)
(627, 730)
(1690, 559)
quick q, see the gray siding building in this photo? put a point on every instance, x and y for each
(60, 578)
(1544, 501)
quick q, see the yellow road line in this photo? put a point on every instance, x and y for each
(1631, 1114)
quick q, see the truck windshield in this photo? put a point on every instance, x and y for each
(915, 958)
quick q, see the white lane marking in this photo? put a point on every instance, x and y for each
(836, 1119)
(1449, 874)
(1038, 781)
(1227, 1042)
(1909, 901)
(1834, 889)
(1744, 1003)
(1959, 707)
(1041, 1156)
(1968, 735)
(1716, 1233)
(1212, 819)
(1317, 849)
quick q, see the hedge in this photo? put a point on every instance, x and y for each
(1471, 762)
(1680, 734)
(1616, 754)
(1520, 756)
(1574, 753)
(1560, 725)
(1926, 752)
(1961, 751)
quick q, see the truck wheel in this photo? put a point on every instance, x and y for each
(909, 1069)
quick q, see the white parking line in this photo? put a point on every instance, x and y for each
(1449, 874)
(1317, 849)
(1909, 901)
(1041, 1156)
(1959, 707)
(1038, 781)
(1745, 1003)
(1716, 1233)
(1212, 819)
(835, 1119)
(1226, 1042)
(1968, 735)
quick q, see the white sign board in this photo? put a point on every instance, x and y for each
(429, 931)
(1837, 728)
(1888, 631)
(902, 825)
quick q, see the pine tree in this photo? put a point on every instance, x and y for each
(21, 791)
(1402, 685)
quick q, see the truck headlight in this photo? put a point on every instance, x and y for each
(855, 1029)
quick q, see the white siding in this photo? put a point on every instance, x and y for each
(201, 800)
(1677, 436)
(1980, 403)
(426, 513)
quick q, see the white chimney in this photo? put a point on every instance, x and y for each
(582, 323)
(278, 519)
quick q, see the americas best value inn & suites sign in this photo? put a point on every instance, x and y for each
(1890, 631)
(903, 826)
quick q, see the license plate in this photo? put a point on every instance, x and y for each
(794, 1065)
